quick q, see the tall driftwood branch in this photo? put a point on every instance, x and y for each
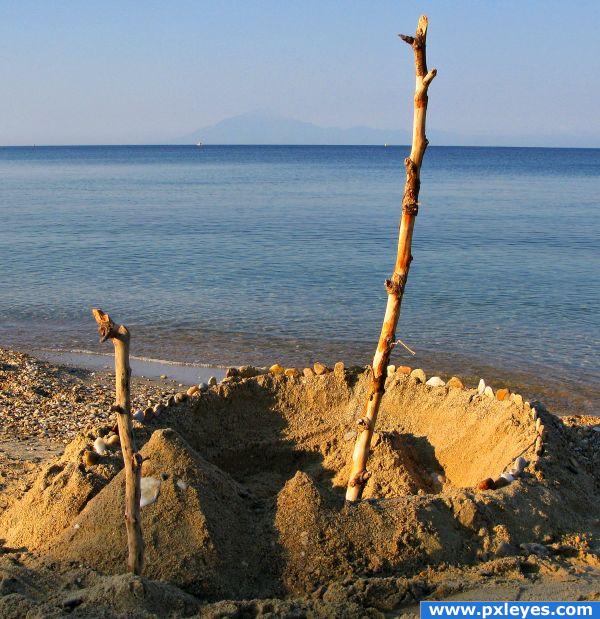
(395, 285)
(119, 336)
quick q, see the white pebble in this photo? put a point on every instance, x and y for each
(100, 446)
(181, 484)
(519, 464)
(489, 392)
(150, 487)
(509, 478)
(481, 386)
(435, 381)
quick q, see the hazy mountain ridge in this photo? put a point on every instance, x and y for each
(265, 127)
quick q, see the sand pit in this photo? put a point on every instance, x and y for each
(252, 477)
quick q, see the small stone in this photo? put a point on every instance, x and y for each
(308, 372)
(486, 484)
(292, 372)
(212, 381)
(180, 397)
(276, 369)
(320, 368)
(539, 446)
(502, 394)
(248, 371)
(517, 399)
(519, 464)
(535, 549)
(171, 400)
(148, 413)
(157, 409)
(193, 390)
(149, 487)
(231, 372)
(418, 375)
(455, 382)
(509, 478)
(391, 370)
(375, 439)
(203, 387)
(481, 387)
(181, 484)
(163, 376)
(112, 440)
(435, 381)
(489, 392)
(100, 446)
(338, 369)
(138, 416)
(534, 414)
(90, 458)
(403, 369)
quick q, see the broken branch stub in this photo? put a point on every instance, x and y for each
(396, 284)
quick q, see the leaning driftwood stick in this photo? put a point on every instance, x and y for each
(395, 285)
(119, 335)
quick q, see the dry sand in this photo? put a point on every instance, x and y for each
(251, 507)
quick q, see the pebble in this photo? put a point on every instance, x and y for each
(539, 446)
(308, 372)
(502, 394)
(419, 375)
(193, 390)
(275, 369)
(100, 446)
(455, 382)
(435, 381)
(182, 484)
(163, 376)
(509, 478)
(112, 440)
(180, 397)
(150, 487)
(157, 409)
(534, 414)
(519, 464)
(212, 381)
(517, 399)
(292, 372)
(391, 370)
(486, 484)
(489, 392)
(170, 400)
(338, 369)
(90, 458)
(138, 416)
(231, 372)
(203, 387)
(481, 387)
(148, 413)
(403, 369)
(320, 368)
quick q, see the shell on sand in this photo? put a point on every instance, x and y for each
(419, 375)
(150, 487)
(481, 386)
(489, 392)
(100, 446)
(435, 381)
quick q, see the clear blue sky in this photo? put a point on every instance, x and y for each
(146, 71)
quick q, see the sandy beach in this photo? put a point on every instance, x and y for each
(250, 518)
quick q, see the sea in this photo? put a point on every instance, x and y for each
(231, 255)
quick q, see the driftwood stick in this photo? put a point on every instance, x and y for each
(119, 335)
(395, 285)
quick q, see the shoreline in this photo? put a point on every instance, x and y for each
(562, 391)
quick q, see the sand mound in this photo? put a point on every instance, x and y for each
(251, 499)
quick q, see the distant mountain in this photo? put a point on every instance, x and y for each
(269, 128)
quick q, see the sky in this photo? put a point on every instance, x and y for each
(523, 72)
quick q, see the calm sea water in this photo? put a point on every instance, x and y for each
(254, 254)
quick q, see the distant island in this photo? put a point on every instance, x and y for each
(266, 127)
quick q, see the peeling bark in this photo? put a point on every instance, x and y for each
(120, 337)
(397, 282)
